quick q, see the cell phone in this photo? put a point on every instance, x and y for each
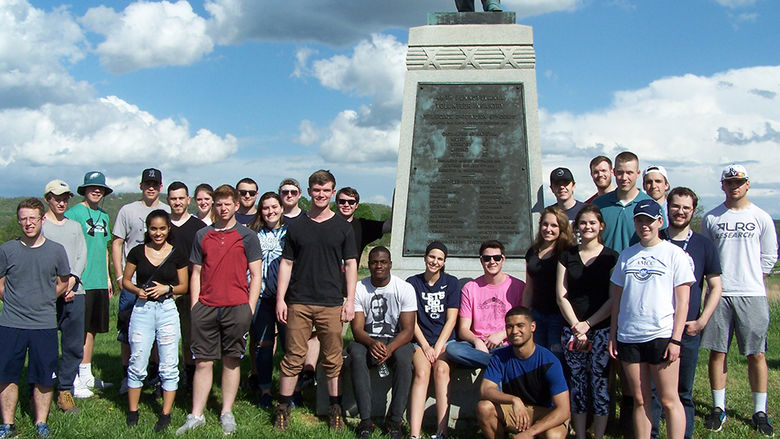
(572, 347)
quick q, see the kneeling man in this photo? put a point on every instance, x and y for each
(523, 391)
(385, 310)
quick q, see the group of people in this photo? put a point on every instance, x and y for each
(619, 277)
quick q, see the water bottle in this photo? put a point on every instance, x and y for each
(384, 371)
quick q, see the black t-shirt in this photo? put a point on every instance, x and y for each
(184, 235)
(317, 250)
(543, 273)
(166, 275)
(366, 231)
(588, 286)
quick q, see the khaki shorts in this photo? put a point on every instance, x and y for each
(219, 331)
(507, 416)
(300, 321)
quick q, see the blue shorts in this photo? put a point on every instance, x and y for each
(43, 347)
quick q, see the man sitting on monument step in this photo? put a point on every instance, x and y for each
(483, 304)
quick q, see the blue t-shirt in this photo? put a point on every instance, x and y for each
(619, 220)
(433, 302)
(535, 380)
(705, 262)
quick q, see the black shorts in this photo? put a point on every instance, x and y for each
(96, 311)
(652, 352)
(219, 331)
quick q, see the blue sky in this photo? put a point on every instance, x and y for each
(217, 90)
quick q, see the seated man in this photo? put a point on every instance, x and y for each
(385, 309)
(483, 304)
(523, 391)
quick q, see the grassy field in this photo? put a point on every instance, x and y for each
(103, 416)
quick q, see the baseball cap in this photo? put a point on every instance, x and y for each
(659, 169)
(94, 178)
(57, 187)
(151, 174)
(734, 172)
(561, 174)
(648, 208)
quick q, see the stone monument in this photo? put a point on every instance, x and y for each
(469, 162)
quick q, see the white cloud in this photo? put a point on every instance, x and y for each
(147, 34)
(692, 125)
(349, 141)
(735, 3)
(302, 56)
(307, 133)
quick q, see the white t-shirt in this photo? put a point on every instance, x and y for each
(648, 276)
(383, 306)
(747, 245)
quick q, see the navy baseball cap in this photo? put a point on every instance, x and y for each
(648, 208)
(559, 174)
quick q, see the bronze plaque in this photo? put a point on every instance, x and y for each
(469, 170)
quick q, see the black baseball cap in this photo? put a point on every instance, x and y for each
(559, 174)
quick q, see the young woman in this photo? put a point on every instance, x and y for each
(204, 199)
(583, 297)
(650, 290)
(554, 236)
(438, 301)
(161, 272)
(271, 230)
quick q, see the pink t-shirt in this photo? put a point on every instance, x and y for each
(486, 304)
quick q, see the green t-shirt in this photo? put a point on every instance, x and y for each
(94, 224)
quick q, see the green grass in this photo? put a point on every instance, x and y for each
(103, 416)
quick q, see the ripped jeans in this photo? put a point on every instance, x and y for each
(152, 321)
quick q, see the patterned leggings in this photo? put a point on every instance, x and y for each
(588, 376)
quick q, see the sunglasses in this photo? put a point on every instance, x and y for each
(350, 202)
(286, 192)
(496, 258)
(244, 193)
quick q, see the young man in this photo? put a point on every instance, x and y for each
(185, 227)
(483, 303)
(290, 193)
(129, 230)
(34, 271)
(95, 279)
(682, 206)
(70, 306)
(562, 186)
(655, 182)
(385, 310)
(309, 293)
(601, 173)
(746, 241)
(617, 207)
(365, 230)
(523, 391)
(222, 305)
(247, 190)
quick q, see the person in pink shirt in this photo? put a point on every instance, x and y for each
(483, 304)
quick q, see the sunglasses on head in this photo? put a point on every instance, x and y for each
(344, 201)
(487, 258)
(244, 193)
(286, 192)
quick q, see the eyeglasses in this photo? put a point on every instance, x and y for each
(345, 201)
(30, 219)
(487, 258)
(286, 192)
(244, 193)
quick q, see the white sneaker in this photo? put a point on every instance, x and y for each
(191, 423)
(80, 390)
(93, 382)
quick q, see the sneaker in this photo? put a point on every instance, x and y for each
(191, 423)
(762, 425)
(228, 423)
(132, 419)
(123, 386)
(714, 421)
(281, 417)
(43, 429)
(93, 382)
(395, 430)
(365, 428)
(7, 431)
(66, 404)
(80, 390)
(265, 401)
(297, 399)
(335, 417)
(163, 421)
(439, 436)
